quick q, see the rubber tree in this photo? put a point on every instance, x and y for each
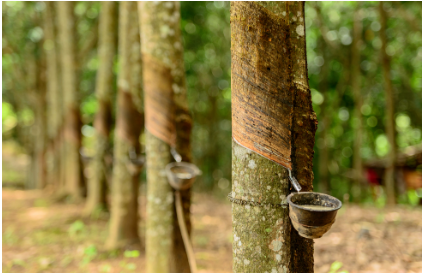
(358, 103)
(390, 110)
(73, 174)
(168, 125)
(53, 93)
(96, 199)
(123, 226)
(41, 137)
(273, 128)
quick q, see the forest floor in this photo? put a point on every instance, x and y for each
(42, 235)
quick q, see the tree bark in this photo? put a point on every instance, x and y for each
(97, 186)
(358, 102)
(129, 124)
(41, 118)
(390, 109)
(272, 116)
(168, 124)
(53, 96)
(74, 180)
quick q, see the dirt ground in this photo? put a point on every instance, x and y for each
(42, 236)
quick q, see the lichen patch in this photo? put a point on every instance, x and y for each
(275, 245)
(252, 164)
(300, 30)
(278, 257)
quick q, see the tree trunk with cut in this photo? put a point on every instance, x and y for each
(97, 186)
(390, 110)
(73, 174)
(123, 228)
(168, 124)
(273, 119)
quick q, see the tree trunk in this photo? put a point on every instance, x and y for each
(324, 150)
(129, 124)
(53, 95)
(61, 154)
(96, 199)
(41, 118)
(358, 102)
(390, 124)
(168, 124)
(74, 180)
(30, 72)
(183, 125)
(272, 116)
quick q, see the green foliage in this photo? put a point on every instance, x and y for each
(106, 268)
(335, 266)
(9, 237)
(76, 228)
(380, 218)
(414, 196)
(9, 118)
(329, 41)
(381, 201)
(127, 266)
(206, 34)
(90, 252)
(131, 254)
(41, 203)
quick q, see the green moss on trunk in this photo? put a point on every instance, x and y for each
(261, 241)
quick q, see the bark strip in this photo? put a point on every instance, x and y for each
(159, 106)
(260, 75)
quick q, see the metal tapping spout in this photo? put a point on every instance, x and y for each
(294, 182)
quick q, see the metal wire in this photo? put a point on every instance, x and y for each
(255, 203)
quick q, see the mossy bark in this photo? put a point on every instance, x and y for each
(390, 110)
(74, 179)
(168, 123)
(96, 199)
(123, 227)
(261, 240)
(271, 102)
